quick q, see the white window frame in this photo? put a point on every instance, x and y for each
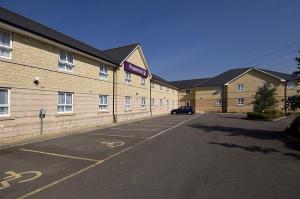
(291, 86)
(219, 88)
(103, 72)
(152, 102)
(143, 81)
(240, 87)
(128, 77)
(161, 102)
(187, 102)
(167, 102)
(187, 91)
(66, 62)
(8, 103)
(103, 106)
(167, 88)
(64, 105)
(240, 101)
(173, 103)
(127, 105)
(7, 47)
(152, 84)
(143, 101)
(161, 87)
(219, 102)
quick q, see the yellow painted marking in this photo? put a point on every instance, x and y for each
(100, 162)
(14, 175)
(113, 144)
(121, 136)
(60, 155)
(124, 129)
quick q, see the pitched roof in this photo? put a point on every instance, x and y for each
(278, 74)
(160, 79)
(36, 28)
(189, 83)
(119, 54)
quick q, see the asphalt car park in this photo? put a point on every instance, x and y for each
(30, 168)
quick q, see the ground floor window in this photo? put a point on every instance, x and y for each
(219, 102)
(240, 101)
(188, 103)
(160, 102)
(103, 102)
(152, 102)
(4, 102)
(143, 102)
(65, 102)
(167, 102)
(127, 103)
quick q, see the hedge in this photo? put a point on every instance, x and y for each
(294, 129)
(266, 115)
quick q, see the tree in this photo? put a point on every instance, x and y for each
(265, 98)
(297, 73)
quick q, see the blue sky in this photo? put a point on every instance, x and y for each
(181, 39)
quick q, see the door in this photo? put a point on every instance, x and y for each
(188, 103)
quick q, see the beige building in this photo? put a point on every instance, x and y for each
(52, 83)
(233, 90)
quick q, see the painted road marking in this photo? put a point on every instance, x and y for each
(100, 162)
(121, 136)
(113, 144)
(145, 125)
(60, 155)
(14, 176)
(124, 129)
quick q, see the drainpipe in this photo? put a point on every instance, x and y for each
(114, 98)
(285, 100)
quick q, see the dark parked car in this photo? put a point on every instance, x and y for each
(183, 110)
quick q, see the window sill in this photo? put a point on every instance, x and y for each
(103, 111)
(128, 110)
(3, 118)
(66, 71)
(240, 104)
(103, 78)
(64, 114)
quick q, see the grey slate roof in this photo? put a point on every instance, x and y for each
(184, 84)
(278, 74)
(36, 28)
(120, 53)
(158, 78)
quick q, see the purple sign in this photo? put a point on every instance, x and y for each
(129, 67)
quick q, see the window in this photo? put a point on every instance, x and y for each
(161, 87)
(219, 102)
(240, 101)
(160, 102)
(127, 103)
(143, 102)
(128, 78)
(172, 102)
(152, 102)
(66, 61)
(5, 44)
(291, 85)
(103, 102)
(187, 103)
(143, 81)
(4, 102)
(219, 88)
(167, 88)
(240, 87)
(65, 102)
(103, 74)
(167, 102)
(187, 92)
(152, 84)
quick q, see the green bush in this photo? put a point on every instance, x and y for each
(294, 129)
(266, 115)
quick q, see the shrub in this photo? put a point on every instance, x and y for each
(266, 115)
(294, 129)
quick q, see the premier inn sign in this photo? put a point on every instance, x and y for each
(129, 67)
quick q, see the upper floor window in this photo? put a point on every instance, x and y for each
(103, 73)
(66, 61)
(152, 102)
(65, 102)
(161, 87)
(143, 80)
(187, 91)
(291, 85)
(143, 101)
(240, 87)
(172, 102)
(5, 44)
(152, 84)
(219, 88)
(4, 102)
(128, 78)
(103, 102)
(167, 88)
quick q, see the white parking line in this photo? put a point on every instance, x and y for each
(124, 129)
(121, 136)
(100, 162)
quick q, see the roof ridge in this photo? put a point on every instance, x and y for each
(122, 46)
